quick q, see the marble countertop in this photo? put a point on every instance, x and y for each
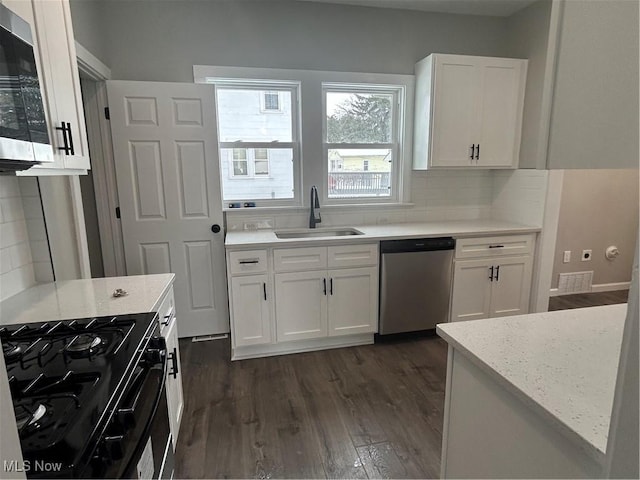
(458, 228)
(86, 298)
(563, 364)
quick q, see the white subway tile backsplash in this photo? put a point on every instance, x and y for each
(11, 209)
(20, 255)
(32, 208)
(9, 187)
(43, 272)
(28, 186)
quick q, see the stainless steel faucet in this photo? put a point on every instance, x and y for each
(314, 204)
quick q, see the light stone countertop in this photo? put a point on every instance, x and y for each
(459, 228)
(71, 299)
(562, 364)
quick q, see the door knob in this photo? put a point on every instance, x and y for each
(215, 228)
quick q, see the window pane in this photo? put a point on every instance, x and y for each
(357, 173)
(271, 101)
(239, 167)
(267, 179)
(241, 116)
(359, 117)
(260, 154)
(239, 153)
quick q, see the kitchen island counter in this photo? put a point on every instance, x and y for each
(559, 366)
(70, 299)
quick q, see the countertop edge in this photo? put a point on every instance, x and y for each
(590, 449)
(355, 239)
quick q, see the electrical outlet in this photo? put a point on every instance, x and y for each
(586, 255)
(567, 256)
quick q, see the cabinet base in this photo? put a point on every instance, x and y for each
(325, 343)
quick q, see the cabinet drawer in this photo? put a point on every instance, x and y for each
(251, 261)
(166, 312)
(494, 246)
(353, 255)
(297, 259)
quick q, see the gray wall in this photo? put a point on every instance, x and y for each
(89, 26)
(162, 40)
(527, 37)
(594, 118)
(598, 208)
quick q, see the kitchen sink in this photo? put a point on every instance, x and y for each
(318, 232)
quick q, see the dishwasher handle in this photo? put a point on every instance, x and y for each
(417, 245)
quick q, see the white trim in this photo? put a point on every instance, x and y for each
(601, 287)
(80, 227)
(90, 65)
(546, 244)
(311, 345)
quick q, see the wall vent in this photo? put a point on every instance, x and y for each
(575, 282)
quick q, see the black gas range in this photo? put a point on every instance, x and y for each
(85, 393)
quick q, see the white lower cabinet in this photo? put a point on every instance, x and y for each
(301, 305)
(175, 398)
(251, 309)
(491, 287)
(353, 301)
(169, 330)
(301, 299)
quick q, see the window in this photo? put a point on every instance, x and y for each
(361, 136)
(271, 102)
(240, 163)
(259, 152)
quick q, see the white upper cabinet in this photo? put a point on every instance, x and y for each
(54, 44)
(468, 112)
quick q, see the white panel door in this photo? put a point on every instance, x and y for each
(500, 115)
(455, 106)
(511, 286)
(166, 157)
(353, 301)
(251, 310)
(471, 298)
(301, 305)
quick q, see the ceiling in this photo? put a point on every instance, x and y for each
(498, 8)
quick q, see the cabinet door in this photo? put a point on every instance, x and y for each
(353, 301)
(61, 82)
(175, 399)
(502, 83)
(471, 298)
(301, 305)
(455, 106)
(251, 320)
(511, 286)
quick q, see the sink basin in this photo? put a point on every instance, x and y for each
(318, 232)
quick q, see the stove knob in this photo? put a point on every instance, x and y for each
(113, 447)
(126, 419)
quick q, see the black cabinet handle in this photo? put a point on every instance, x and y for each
(478, 152)
(215, 228)
(173, 356)
(324, 285)
(71, 150)
(497, 273)
(331, 286)
(491, 274)
(245, 262)
(264, 290)
(496, 246)
(64, 127)
(472, 148)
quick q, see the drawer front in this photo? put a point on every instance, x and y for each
(494, 246)
(353, 255)
(250, 261)
(166, 312)
(299, 259)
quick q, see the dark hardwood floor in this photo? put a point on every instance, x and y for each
(581, 300)
(364, 412)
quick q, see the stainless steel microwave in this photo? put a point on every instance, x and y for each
(24, 140)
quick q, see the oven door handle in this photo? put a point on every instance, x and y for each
(161, 391)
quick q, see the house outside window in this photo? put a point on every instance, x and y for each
(258, 151)
(361, 134)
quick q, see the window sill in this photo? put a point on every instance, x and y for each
(323, 208)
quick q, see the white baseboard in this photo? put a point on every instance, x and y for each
(602, 287)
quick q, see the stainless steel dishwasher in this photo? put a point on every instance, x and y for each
(415, 284)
